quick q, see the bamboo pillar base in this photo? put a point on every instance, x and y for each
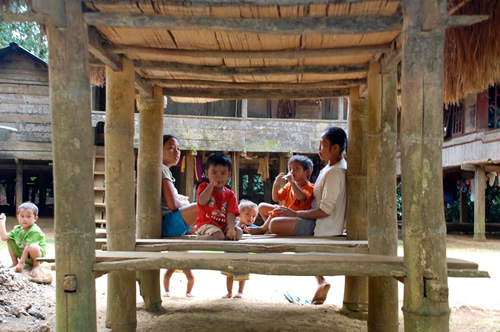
(425, 322)
(355, 304)
(150, 294)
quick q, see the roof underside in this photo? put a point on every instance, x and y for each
(250, 70)
(252, 49)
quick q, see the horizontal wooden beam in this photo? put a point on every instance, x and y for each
(98, 46)
(204, 3)
(271, 264)
(23, 17)
(143, 86)
(255, 94)
(460, 21)
(260, 85)
(252, 71)
(134, 52)
(282, 26)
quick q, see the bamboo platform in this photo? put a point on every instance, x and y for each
(255, 244)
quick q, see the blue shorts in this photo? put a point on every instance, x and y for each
(173, 224)
(304, 227)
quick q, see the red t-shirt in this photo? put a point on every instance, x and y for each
(218, 207)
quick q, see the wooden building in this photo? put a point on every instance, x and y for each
(253, 49)
(25, 154)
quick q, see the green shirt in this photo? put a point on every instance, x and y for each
(33, 235)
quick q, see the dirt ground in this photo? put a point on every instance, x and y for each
(474, 303)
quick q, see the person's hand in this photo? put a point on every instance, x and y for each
(231, 234)
(3, 218)
(280, 178)
(283, 211)
(288, 177)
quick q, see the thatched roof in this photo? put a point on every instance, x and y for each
(473, 53)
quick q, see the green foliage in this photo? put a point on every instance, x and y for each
(452, 211)
(26, 34)
(258, 185)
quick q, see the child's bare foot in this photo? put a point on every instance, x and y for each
(188, 294)
(321, 293)
(19, 267)
(228, 296)
(238, 295)
(35, 272)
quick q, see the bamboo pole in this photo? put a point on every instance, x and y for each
(149, 188)
(426, 299)
(120, 188)
(479, 204)
(189, 174)
(73, 177)
(355, 302)
(235, 173)
(382, 219)
(19, 183)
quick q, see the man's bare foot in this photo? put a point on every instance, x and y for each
(255, 230)
(35, 272)
(228, 296)
(321, 293)
(188, 294)
(238, 295)
(19, 267)
(13, 265)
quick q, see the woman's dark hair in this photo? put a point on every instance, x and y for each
(167, 137)
(338, 136)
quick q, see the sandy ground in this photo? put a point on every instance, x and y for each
(474, 303)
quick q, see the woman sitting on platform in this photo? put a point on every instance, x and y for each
(178, 215)
(327, 214)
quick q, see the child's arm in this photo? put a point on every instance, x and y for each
(204, 197)
(3, 231)
(296, 190)
(276, 185)
(230, 226)
(170, 195)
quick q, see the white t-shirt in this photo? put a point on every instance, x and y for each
(330, 196)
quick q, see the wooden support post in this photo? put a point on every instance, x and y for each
(381, 171)
(235, 174)
(189, 173)
(120, 188)
(355, 302)
(73, 177)
(464, 212)
(244, 108)
(424, 231)
(149, 188)
(19, 183)
(479, 204)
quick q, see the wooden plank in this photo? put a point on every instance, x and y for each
(460, 21)
(204, 3)
(136, 52)
(284, 26)
(256, 94)
(249, 71)
(272, 264)
(261, 85)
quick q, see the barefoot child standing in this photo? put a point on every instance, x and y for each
(248, 213)
(26, 241)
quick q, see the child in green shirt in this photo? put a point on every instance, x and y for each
(26, 241)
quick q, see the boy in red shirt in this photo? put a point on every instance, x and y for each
(217, 205)
(297, 194)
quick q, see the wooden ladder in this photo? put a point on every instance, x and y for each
(99, 190)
